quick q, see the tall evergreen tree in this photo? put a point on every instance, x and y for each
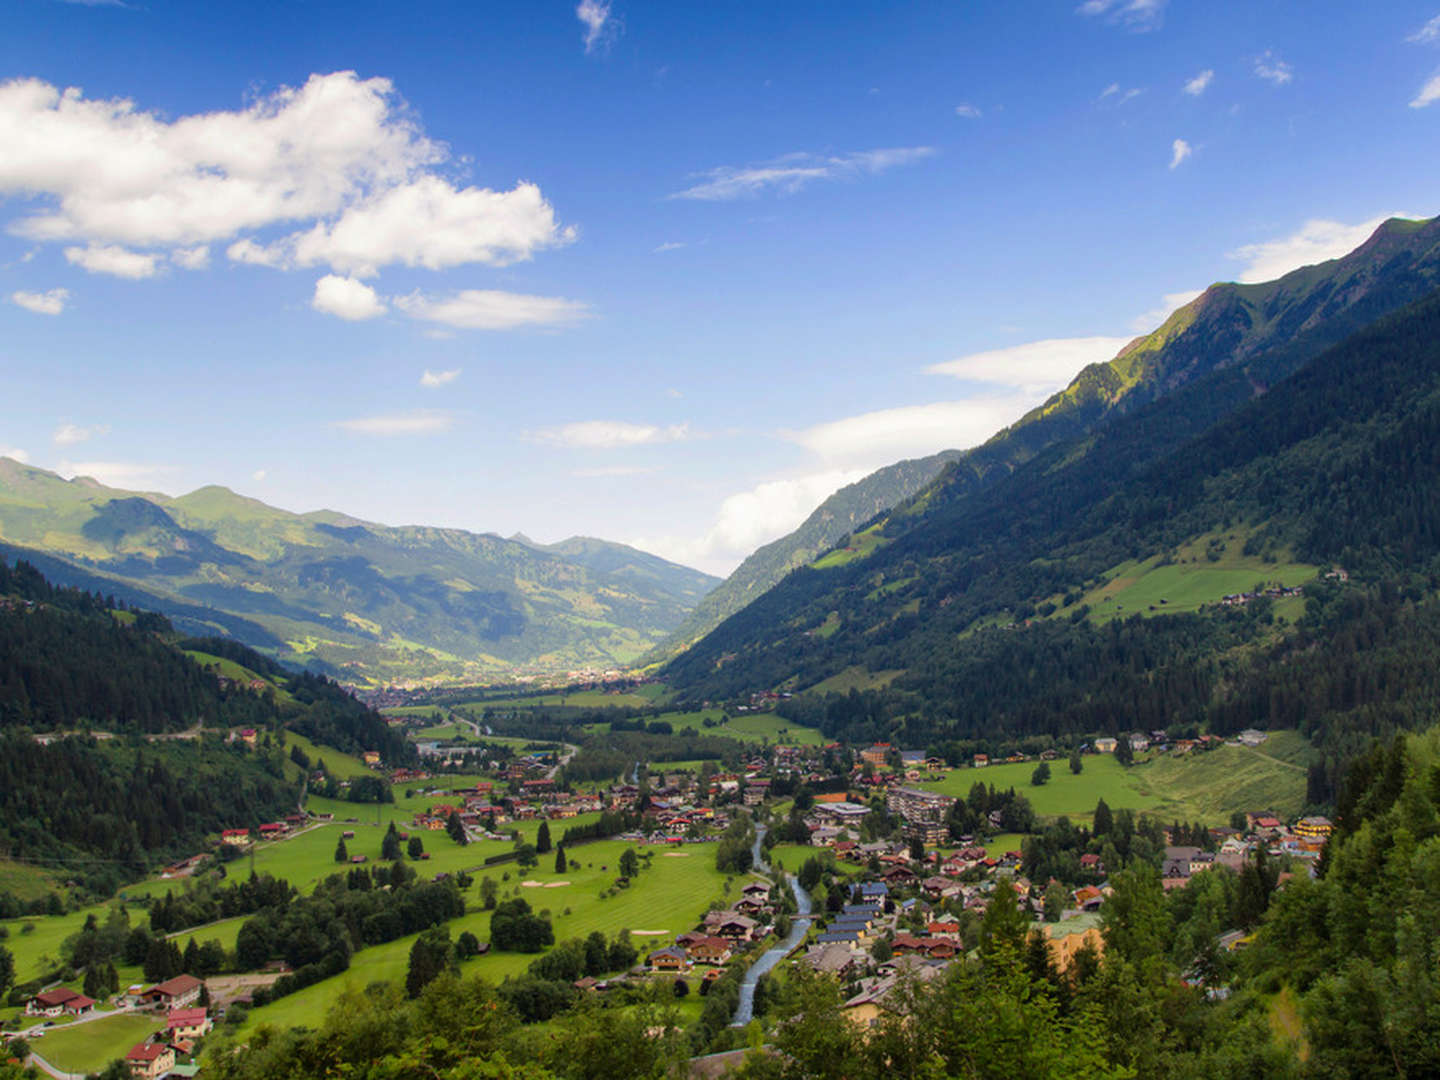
(542, 839)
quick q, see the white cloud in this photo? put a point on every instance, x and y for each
(968, 111)
(1315, 241)
(346, 298)
(51, 302)
(747, 519)
(793, 172)
(1038, 367)
(121, 474)
(340, 157)
(195, 258)
(415, 422)
(1427, 34)
(1428, 94)
(432, 380)
(1271, 68)
(1179, 151)
(1114, 95)
(669, 245)
(610, 434)
(601, 27)
(258, 476)
(1150, 320)
(1138, 15)
(14, 453)
(70, 434)
(603, 471)
(113, 259)
(488, 309)
(875, 438)
(1200, 83)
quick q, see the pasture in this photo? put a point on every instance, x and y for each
(670, 894)
(85, 1048)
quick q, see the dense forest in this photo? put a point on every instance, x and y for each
(1338, 465)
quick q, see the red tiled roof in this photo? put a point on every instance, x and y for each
(185, 1017)
(180, 984)
(147, 1052)
(59, 996)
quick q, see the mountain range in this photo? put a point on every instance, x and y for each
(365, 602)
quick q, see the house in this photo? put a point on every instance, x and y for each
(1139, 740)
(371, 757)
(187, 1024)
(1314, 828)
(671, 959)
(737, 928)
(60, 999)
(876, 754)
(834, 958)
(273, 829)
(235, 837)
(1252, 737)
(944, 928)
(1106, 745)
(1067, 937)
(176, 993)
(1091, 863)
(249, 736)
(981, 760)
(149, 1061)
(709, 950)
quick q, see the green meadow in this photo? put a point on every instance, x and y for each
(759, 727)
(670, 895)
(83, 1048)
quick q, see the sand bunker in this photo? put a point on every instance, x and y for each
(555, 884)
(677, 854)
(649, 933)
(532, 884)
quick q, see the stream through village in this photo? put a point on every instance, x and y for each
(798, 926)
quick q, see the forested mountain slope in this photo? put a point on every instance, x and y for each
(1269, 329)
(367, 602)
(980, 599)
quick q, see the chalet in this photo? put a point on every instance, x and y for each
(249, 736)
(273, 830)
(149, 1061)
(899, 875)
(981, 760)
(1314, 828)
(876, 891)
(944, 928)
(1091, 863)
(907, 943)
(1088, 898)
(187, 1024)
(937, 887)
(235, 837)
(1106, 745)
(371, 757)
(737, 928)
(671, 959)
(176, 993)
(1139, 740)
(833, 958)
(756, 891)
(59, 1000)
(1252, 737)
(876, 754)
(710, 950)
(358, 859)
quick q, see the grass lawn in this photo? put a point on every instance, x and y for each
(26, 882)
(337, 764)
(755, 727)
(45, 940)
(1002, 843)
(84, 1048)
(225, 931)
(1065, 793)
(791, 857)
(855, 677)
(670, 895)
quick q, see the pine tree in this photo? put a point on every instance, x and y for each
(342, 854)
(542, 839)
(560, 865)
(1104, 821)
(390, 846)
(456, 829)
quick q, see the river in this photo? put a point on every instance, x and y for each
(798, 927)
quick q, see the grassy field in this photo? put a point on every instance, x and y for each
(83, 1048)
(790, 857)
(855, 678)
(26, 882)
(755, 727)
(1191, 579)
(861, 545)
(670, 895)
(337, 764)
(1197, 787)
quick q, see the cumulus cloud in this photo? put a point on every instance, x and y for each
(346, 298)
(793, 172)
(1137, 15)
(1036, 366)
(489, 309)
(70, 434)
(1429, 93)
(118, 474)
(415, 422)
(113, 259)
(747, 519)
(340, 157)
(1179, 151)
(1150, 320)
(1315, 241)
(1200, 83)
(258, 476)
(1427, 34)
(1271, 68)
(610, 434)
(50, 302)
(968, 111)
(195, 258)
(601, 27)
(433, 380)
(874, 438)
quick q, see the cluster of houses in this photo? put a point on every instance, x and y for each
(1275, 592)
(721, 935)
(1304, 839)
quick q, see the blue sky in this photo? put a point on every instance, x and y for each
(660, 273)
